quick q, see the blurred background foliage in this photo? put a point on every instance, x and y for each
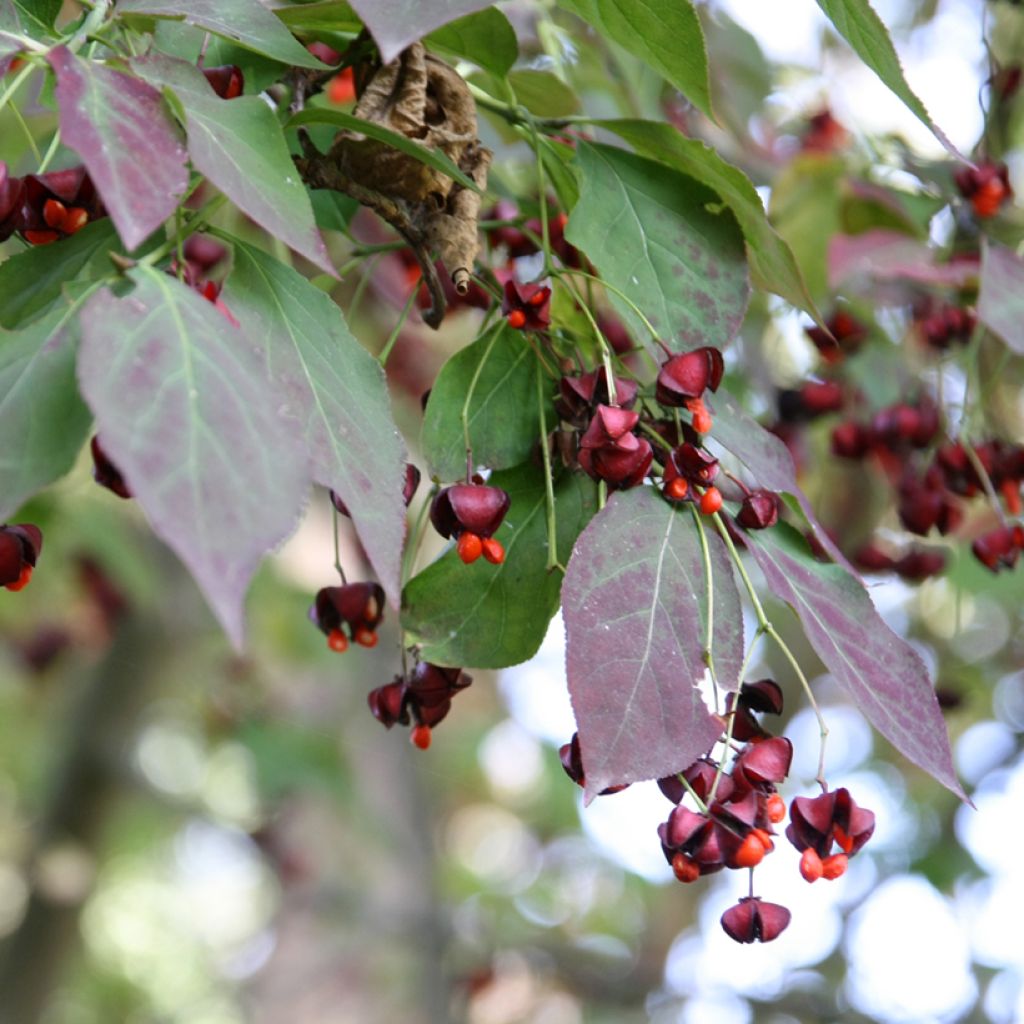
(188, 836)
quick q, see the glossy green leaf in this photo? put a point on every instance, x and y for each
(395, 24)
(187, 412)
(666, 34)
(857, 22)
(1001, 299)
(246, 22)
(329, 16)
(881, 672)
(635, 602)
(493, 616)
(494, 381)
(31, 280)
(340, 119)
(486, 38)
(772, 263)
(335, 391)
(111, 119)
(239, 146)
(649, 231)
(43, 421)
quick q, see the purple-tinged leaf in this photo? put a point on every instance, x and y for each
(879, 255)
(187, 413)
(634, 601)
(131, 149)
(246, 22)
(335, 390)
(767, 459)
(1001, 301)
(239, 146)
(395, 24)
(43, 421)
(881, 672)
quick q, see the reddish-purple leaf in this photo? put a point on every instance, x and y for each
(882, 673)
(634, 601)
(881, 255)
(768, 460)
(239, 146)
(336, 391)
(395, 24)
(119, 127)
(1001, 302)
(187, 413)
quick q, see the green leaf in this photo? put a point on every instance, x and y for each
(649, 231)
(330, 16)
(495, 381)
(187, 412)
(31, 280)
(246, 22)
(39, 15)
(772, 263)
(485, 38)
(239, 146)
(395, 24)
(544, 94)
(431, 157)
(335, 392)
(43, 421)
(1001, 299)
(559, 161)
(635, 602)
(120, 128)
(666, 34)
(493, 616)
(857, 22)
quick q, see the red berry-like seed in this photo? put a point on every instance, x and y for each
(845, 841)
(75, 219)
(685, 869)
(810, 865)
(337, 641)
(470, 547)
(702, 421)
(538, 298)
(420, 736)
(764, 838)
(776, 808)
(750, 853)
(365, 637)
(493, 551)
(834, 867)
(54, 213)
(41, 237)
(711, 501)
(677, 489)
(22, 581)
(517, 319)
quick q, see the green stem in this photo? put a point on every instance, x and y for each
(50, 153)
(464, 415)
(766, 627)
(710, 631)
(337, 549)
(549, 484)
(720, 771)
(90, 24)
(701, 806)
(196, 222)
(16, 84)
(393, 337)
(413, 542)
(27, 133)
(606, 352)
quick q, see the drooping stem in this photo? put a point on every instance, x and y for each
(709, 634)
(464, 415)
(765, 626)
(415, 538)
(606, 353)
(337, 550)
(549, 485)
(397, 330)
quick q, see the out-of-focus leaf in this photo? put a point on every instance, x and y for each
(647, 228)
(485, 38)
(476, 615)
(741, 77)
(340, 119)
(666, 34)
(334, 390)
(43, 420)
(544, 94)
(31, 280)
(395, 24)
(186, 411)
(112, 120)
(857, 22)
(39, 15)
(495, 379)
(635, 608)
(329, 16)
(881, 672)
(878, 256)
(772, 263)
(559, 165)
(246, 22)
(1001, 301)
